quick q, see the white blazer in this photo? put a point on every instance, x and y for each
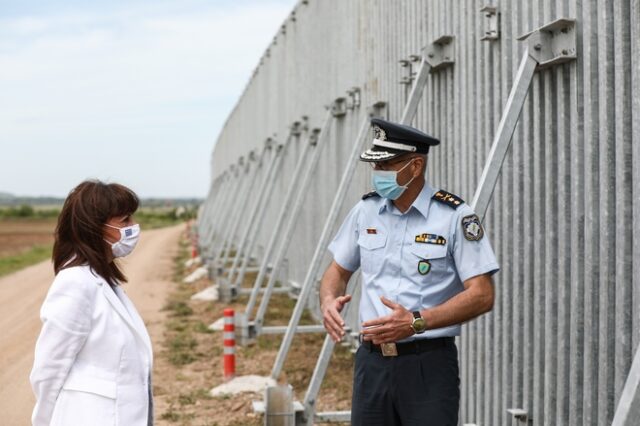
(93, 358)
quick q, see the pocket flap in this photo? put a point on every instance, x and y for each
(102, 387)
(372, 241)
(429, 251)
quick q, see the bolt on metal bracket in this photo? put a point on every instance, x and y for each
(492, 23)
(552, 44)
(440, 53)
(339, 107)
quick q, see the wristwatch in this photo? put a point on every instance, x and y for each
(419, 325)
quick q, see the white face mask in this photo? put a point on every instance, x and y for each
(129, 236)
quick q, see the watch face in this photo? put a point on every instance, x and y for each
(419, 325)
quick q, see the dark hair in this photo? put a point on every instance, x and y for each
(79, 235)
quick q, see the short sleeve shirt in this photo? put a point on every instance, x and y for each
(418, 259)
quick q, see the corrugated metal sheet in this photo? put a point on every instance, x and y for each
(565, 214)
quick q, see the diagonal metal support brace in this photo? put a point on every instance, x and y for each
(321, 246)
(549, 45)
(260, 197)
(628, 410)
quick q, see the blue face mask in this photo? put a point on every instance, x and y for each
(386, 184)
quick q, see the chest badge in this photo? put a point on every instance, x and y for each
(472, 228)
(372, 231)
(424, 267)
(431, 239)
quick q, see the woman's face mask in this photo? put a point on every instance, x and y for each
(385, 182)
(129, 236)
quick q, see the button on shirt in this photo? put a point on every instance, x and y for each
(381, 240)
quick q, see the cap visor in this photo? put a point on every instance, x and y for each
(374, 156)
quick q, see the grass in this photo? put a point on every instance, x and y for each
(33, 255)
(194, 355)
(180, 343)
(26, 234)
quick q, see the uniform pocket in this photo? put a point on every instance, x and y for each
(371, 252)
(429, 251)
(430, 261)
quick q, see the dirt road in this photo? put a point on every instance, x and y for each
(149, 270)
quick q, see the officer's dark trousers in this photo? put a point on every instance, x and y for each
(411, 389)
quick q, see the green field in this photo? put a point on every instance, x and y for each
(26, 232)
(31, 256)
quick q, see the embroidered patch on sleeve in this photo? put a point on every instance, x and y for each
(472, 228)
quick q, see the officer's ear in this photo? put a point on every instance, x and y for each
(421, 165)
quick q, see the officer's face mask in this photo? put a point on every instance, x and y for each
(386, 184)
(129, 236)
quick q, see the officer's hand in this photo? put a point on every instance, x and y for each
(332, 320)
(391, 328)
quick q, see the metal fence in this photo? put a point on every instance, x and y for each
(566, 210)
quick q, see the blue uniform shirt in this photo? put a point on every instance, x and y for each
(418, 259)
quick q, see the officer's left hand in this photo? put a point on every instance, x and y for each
(390, 328)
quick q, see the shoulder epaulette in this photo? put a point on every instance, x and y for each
(370, 194)
(448, 198)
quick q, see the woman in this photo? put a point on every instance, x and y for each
(93, 357)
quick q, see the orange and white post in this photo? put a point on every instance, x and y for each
(229, 336)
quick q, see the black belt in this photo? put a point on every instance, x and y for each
(413, 347)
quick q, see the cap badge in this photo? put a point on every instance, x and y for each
(379, 134)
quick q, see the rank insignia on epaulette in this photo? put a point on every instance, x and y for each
(472, 228)
(448, 198)
(370, 194)
(372, 231)
(431, 239)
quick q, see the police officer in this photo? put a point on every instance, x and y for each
(426, 268)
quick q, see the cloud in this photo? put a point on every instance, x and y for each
(159, 74)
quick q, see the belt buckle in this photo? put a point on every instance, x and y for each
(389, 349)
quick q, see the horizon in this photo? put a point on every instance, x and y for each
(131, 92)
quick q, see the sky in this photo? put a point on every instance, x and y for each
(134, 92)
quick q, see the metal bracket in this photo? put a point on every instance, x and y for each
(407, 78)
(313, 137)
(339, 107)
(354, 98)
(304, 126)
(552, 44)
(492, 23)
(439, 54)
(296, 128)
(270, 142)
(518, 414)
(375, 108)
